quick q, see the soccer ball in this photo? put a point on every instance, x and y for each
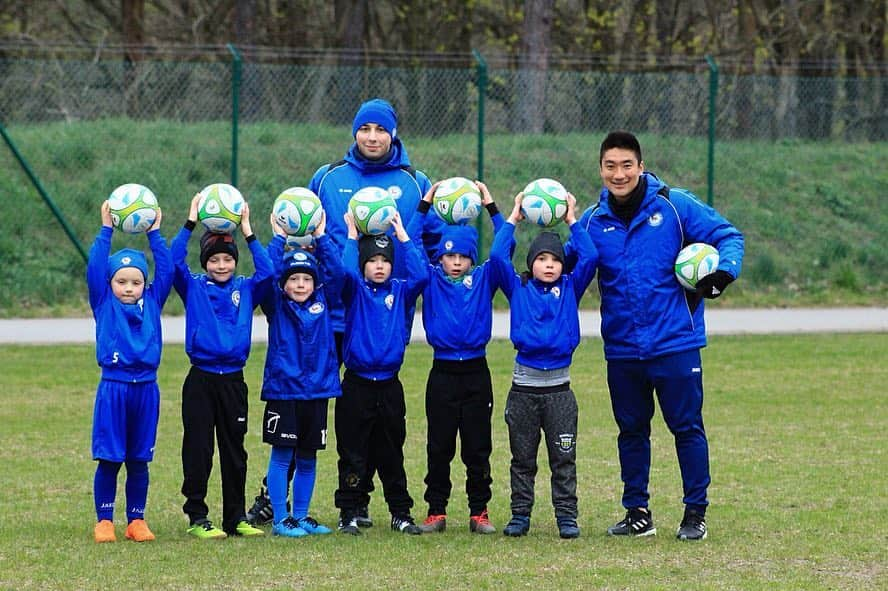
(297, 211)
(457, 200)
(220, 208)
(373, 209)
(694, 262)
(544, 203)
(133, 208)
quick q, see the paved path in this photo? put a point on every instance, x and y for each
(728, 321)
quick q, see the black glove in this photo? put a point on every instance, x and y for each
(711, 286)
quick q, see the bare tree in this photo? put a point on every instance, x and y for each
(133, 21)
(534, 66)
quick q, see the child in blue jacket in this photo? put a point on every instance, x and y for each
(128, 347)
(457, 312)
(218, 333)
(370, 416)
(545, 330)
(301, 374)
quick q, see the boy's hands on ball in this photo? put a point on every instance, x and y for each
(322, 225)
(275, 227)
(486, 199)
(156, 224)
(246, 228)
(350, 224)
(430, 194)
(570, 216)
(516, 215)
(106, 214)
(192, 211)
(398, 225)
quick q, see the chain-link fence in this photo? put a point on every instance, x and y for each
(87, 123)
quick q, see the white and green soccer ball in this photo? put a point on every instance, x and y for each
(694, 262)
(544, 203)
(297, 211)
(373, 209)
(220, 208)
(133, 208)
(457, 200)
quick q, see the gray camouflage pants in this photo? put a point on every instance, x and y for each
(554, 412)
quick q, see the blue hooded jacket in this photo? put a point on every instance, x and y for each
(645, 312)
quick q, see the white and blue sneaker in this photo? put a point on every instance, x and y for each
(313, 527)
(288, 528)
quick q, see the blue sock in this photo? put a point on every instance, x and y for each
(136, 489)
(303, 485)
(278, 464)
(105, 489)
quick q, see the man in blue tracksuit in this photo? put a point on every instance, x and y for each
(652, 327)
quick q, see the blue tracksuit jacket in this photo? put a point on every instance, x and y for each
(219, 316)
(301, 363)
(378, 316)
(644, 310)
(544, 317)
(128, 336)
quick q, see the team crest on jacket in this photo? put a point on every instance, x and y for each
(389, 301)
(235, 297)
(556, 291)
(395, 192)
(656, 219)
(566, 442)
(316, 308)
(467, 281)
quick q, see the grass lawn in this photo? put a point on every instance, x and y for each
(797, 441)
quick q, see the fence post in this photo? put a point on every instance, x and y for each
(235, 108)
(713, 91)
(39, 186)
(482, 94)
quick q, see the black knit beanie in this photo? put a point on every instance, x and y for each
(545, 242)
(211, 243)
(372, 245)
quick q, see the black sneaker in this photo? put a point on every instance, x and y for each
(518, 526)
(568, 528)
(348, 524)
(405, 525)
(693, 526)
(636, 523)
(261, 512)
(362, 515)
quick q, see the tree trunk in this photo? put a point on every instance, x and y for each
(133, 20)
(534, 66)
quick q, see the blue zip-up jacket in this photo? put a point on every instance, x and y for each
(378, 316)
(128, 336)
(458, 315)
(301, 362)
(544, 317)
(644, 310)
(219, 316)
(335, 185)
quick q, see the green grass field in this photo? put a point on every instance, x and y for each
(797, 436)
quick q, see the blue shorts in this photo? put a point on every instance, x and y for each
(125, 421)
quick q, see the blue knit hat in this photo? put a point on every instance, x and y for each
(376, 111)
(298, 261)
(127, 257)
(458, 239)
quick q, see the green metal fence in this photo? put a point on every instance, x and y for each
(266, 121)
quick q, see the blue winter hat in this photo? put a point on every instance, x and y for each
(127, 257)
(298, 261)
(458, 239)
(376, 111)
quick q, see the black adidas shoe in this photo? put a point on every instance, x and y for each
(693, 526)
(362, 515)
(405, 525)
(348, 524)
(637, 522)
(261, 512)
